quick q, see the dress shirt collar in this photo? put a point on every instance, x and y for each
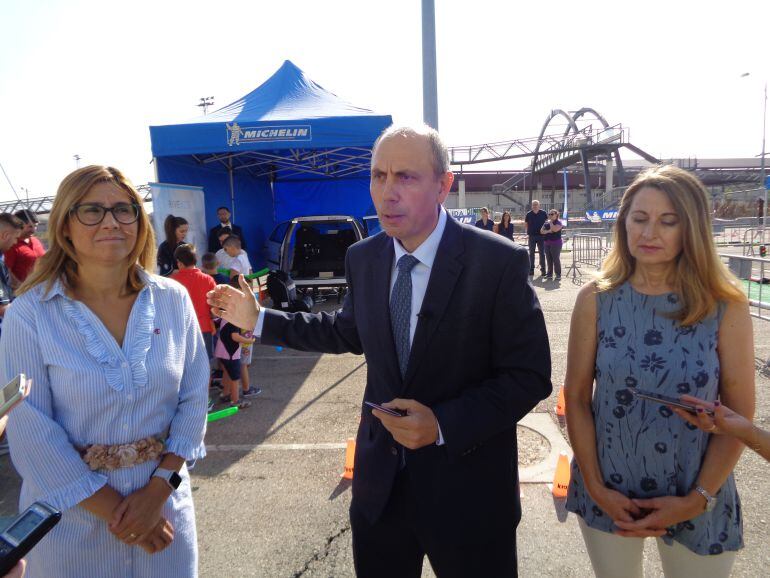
(426, 252)
(58, 287)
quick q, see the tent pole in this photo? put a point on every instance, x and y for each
(232, 190)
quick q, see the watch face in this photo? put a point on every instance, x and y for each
(175, 480)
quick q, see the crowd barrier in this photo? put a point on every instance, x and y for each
(755, 238)
(754, 273)
(587, 251)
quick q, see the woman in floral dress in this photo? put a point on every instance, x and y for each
(666, 316)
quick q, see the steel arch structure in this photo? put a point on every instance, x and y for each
(578, 145)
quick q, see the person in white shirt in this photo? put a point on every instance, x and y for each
(232, 257)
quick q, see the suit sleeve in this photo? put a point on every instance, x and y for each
(323, 332)
(521, 367)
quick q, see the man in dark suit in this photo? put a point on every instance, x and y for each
(461, 348)
(223, 214)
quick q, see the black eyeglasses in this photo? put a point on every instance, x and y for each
(90, 214)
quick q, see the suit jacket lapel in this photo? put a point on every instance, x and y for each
(382, 267)
(443, 278)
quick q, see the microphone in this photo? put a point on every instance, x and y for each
(424, 314)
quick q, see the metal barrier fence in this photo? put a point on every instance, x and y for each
(754, 239)
(754, 273)
(587, 250)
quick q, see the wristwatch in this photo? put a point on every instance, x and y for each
(172, 478)
(711, 501)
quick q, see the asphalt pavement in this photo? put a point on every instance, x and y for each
(271, 502)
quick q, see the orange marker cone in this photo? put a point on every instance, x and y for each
(350, 454)
(561, 406)
(561, 478)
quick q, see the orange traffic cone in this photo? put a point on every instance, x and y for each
(350, 455)
(561, 478)
(561, 406)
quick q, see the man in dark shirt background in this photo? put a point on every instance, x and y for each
(485, 222)
(223, 214)
(534, 220)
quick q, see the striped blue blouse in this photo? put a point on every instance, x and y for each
(86, 389)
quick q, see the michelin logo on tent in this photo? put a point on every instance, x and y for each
(237, 135)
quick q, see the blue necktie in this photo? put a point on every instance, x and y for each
(401, 309)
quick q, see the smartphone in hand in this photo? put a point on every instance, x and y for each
(388, 410)
(24, 532)
(668, 400)
(13, 392)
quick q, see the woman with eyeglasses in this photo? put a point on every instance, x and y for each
(551, 231)
(176, 229)
(120, 396)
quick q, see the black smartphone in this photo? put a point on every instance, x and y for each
(24, 532)
(668, 400)
(395, 412)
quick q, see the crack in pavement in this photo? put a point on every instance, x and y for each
(320, 556)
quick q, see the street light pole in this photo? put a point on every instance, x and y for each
(762, 176)
(762, 164)
(429, 82)
(205, 103)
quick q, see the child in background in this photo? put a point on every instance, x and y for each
(228, 351)
(232, 257)
(197, 284)
(209, 266)
(223, 234)
(246, 351)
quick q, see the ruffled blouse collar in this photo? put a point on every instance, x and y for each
(117, 363)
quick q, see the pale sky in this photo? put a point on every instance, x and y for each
(88, 77)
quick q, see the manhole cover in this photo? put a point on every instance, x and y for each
(533, 447)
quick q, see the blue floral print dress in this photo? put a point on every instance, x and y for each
(644, 449)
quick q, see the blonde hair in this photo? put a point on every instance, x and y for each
(701, 279)
(61, 261)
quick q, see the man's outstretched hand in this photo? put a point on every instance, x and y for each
(237, 307)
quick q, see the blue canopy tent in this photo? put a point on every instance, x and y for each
(289, 148)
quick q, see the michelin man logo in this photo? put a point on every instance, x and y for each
(234, 133)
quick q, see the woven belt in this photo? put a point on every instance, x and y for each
(112, 457)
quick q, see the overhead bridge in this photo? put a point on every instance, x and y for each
(555, 151)
(42, 205)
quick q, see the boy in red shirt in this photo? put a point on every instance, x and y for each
(20, 259)
(197, 284)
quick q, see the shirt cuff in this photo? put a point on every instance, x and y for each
(185, 449)
(440, 440)
(260, 323)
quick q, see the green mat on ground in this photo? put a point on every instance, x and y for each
(753, 288)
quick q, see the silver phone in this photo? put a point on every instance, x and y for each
(12, 392)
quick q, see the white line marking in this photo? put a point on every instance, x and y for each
(274, 447)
